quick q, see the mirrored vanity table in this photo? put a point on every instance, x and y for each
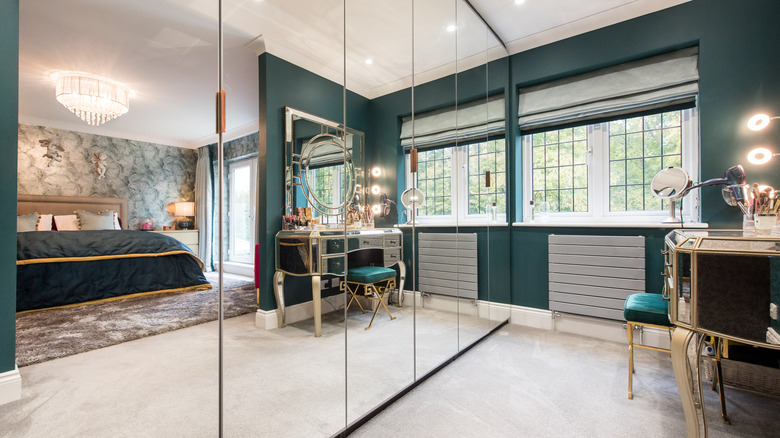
(722, 284)
(319, 253)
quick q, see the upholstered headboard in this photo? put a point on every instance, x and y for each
(46, 204)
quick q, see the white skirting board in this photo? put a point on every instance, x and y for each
(10, 386)
(267, 319)
(598, 328)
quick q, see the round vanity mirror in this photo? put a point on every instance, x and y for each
(322, 151)
(670, 183)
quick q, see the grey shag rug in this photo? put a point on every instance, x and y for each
(49, 334)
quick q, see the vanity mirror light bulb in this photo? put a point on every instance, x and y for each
(375, 189)
(376, 172)
(376, 209)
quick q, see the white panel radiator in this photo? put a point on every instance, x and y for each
(593, 275)
(448, 264)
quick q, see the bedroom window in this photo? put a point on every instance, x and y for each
(453, 180)
(592, 142)
(241, 207)
(603, 171)
(456, 146)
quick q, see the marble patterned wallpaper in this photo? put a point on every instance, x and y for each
(149, 175)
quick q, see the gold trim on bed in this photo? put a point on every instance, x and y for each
(197, 287)
(106, 257)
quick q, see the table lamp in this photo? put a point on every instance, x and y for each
(184, 209)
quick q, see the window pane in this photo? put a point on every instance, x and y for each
(634, 125)
(565, 177)
(617, 173)
(565, 154)
(563, 169)
(580, 177)
(634, 147)
(580, 152)
(567, 200)
(580, 200)
(551, 156)
(617, 199)
(672, 140)
(433, 178)
(617, 127)
(490, 156)
(617, 147)
(634, 172)
(651, 143)
(635, 197)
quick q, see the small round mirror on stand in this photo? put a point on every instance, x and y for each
(412, 199)
(671, 183)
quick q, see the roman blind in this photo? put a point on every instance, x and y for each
(466, 122)
(646, 84)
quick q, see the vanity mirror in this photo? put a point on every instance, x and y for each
(323, 165)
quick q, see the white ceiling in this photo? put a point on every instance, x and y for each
(166, 50)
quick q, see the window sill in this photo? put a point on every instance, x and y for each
(610, 225)
(455, 224)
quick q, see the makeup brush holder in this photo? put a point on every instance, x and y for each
(765, 222)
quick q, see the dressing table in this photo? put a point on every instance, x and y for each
(319, 253)
(720, 283)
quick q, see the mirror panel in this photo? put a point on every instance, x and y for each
(380, 350)
(435, 267)
(287, 381)
(472, 69)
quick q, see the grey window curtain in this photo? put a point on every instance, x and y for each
(650, 83)
(204, 206)
(469, 121)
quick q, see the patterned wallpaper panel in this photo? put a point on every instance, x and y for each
(149, 175)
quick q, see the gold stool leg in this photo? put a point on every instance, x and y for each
(630, 335)
(380, 294)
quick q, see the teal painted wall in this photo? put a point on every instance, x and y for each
(9, 86)
(738, 76)
(284, 84)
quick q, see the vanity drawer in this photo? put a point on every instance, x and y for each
(333, 265)
(392, 241)
(334, 246)
(370, 242)
(392, 256)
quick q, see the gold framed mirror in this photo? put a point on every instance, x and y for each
(323, 161)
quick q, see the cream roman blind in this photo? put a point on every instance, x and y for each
(650, 83)
(470, 121)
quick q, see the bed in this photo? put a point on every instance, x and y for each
(64, 268)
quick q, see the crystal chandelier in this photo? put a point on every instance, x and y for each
(94, 99)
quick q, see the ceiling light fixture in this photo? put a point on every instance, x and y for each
(519, 2)
(452, 28)
(759, 122)
(94, 99)
(369, 61)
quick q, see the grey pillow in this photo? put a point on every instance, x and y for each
(92, 221)
(27, 222)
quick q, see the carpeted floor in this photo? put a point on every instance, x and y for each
(49, 334)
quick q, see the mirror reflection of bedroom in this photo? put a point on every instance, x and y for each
(296, 218)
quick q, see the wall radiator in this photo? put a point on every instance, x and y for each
(593, 275)
(448, 264)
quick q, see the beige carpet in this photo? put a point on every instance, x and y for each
(49, 334)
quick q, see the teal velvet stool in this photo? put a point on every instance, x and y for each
(367, 277)
(644, 310)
